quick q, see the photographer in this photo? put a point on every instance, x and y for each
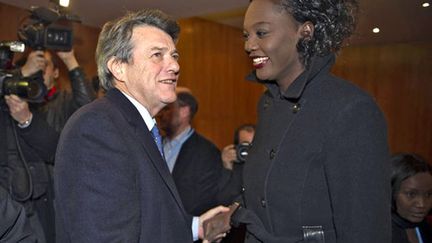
(31, 132)
(243, 137)
(59, 105)
(25, 150)
(233, 159)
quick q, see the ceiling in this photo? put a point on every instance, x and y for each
(399, 20)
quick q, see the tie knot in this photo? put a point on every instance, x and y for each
(155, 132)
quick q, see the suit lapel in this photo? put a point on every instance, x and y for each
(131, 114)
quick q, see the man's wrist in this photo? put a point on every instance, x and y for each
(26, 123)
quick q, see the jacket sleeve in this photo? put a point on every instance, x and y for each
(95, 183)
(358, 173)
(82, 91)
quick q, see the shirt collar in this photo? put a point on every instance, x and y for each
(149, 121)
(181, 137)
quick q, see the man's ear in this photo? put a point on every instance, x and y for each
(117, 68)
(307, 30)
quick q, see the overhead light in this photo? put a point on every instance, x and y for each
(376, 30)
(62, 3)
(425, 5)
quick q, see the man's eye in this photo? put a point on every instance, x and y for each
(261, 33)
(157, 54)
(176, 56)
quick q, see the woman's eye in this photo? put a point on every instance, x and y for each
(411, 194)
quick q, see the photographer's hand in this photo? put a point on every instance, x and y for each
(18, 108)
(229, 155)
(69, 59)
(35, 62)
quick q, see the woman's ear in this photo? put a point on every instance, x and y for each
(307, 30)
(116, 67)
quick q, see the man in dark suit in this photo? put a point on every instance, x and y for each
(193, 160)
(111, 182)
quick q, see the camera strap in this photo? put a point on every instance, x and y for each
(3, 141)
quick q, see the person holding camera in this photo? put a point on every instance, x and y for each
(193, 160)
(26, 150)
(234, 156)
(59, 104)
(31, 132)
(237, 152)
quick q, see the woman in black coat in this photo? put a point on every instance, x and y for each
(318, 168)
(412, 199)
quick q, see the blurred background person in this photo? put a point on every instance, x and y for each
(59, 104)
(193, 160)
(411, 198)
(243, 135)
(31, 131)
(233, 159)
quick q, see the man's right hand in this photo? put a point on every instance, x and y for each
(35, 62)
(229, 155)
(18, 108)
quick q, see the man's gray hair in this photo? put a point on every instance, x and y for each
(115, 39)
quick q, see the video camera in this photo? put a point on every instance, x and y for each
(43, 31)
(31, 89)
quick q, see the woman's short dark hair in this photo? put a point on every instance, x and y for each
(334, 21)
(405, 165)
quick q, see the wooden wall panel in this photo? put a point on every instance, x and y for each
(399, 76)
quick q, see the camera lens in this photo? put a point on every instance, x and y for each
(242, 151)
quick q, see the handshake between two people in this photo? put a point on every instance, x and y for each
(216, 223)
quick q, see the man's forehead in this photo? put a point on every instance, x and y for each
(152, 38)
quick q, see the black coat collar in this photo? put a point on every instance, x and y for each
(295, 90)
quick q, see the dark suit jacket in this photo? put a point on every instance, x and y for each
(196, 174)
(111, 183)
